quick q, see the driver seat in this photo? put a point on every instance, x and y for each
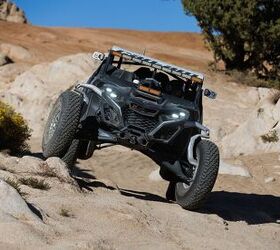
(163, 79)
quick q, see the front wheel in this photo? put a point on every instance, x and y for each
(191, 196)
(62, 124)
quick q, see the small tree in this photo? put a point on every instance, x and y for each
(245, 34)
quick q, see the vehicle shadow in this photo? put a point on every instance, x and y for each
(90, 185)
(34, 154)
(88, 181)
(230, 206)
(79, 172)
(251, 208)
(142, 195)
(85, 179)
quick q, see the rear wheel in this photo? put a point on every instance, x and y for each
(77, 150)
(70, 157)
(85, 149)
(62, 125)
(191, 196)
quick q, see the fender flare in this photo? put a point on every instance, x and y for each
(191, 145)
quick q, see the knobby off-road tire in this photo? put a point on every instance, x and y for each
(191, 197)
(70, 156)
(62, 125)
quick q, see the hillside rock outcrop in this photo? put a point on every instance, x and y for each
(11, 13)
(15, 52)
(13, 204)
(33, 92)
(4, 59)
(9, 72)
(26, 166)
(260, 132)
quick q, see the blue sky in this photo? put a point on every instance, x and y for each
(154, 15)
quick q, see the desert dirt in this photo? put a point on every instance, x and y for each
(112, 202)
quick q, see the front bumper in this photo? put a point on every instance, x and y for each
(130, 123)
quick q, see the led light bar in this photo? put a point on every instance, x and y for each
(154, 63)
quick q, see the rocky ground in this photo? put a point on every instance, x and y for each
(115, 200)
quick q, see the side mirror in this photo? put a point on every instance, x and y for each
(98, 56)
(210, 93)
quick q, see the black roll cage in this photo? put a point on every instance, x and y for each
(109, 60)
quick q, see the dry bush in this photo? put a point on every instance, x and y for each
(46, 171)
(14, 131)
(270, 137)
(65, 212)
(16, 185)
(249, 79)
(35, 183)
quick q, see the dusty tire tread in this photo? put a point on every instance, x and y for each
(205, 179)
(68, 122)
(70, 156)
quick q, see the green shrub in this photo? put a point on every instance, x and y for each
(14, 131)
(244, 34)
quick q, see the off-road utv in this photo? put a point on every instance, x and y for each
(146, 105)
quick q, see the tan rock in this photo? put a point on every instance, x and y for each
(4, 59)
(9, 72)
(11, 13)
(26, 164)
(61, 171)
(15, 52)
(13, 204)
(229, 169)
(155, 176)
(269, 179)
(33, 92)
(247, 137)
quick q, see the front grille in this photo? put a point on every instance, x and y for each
(166, 132)
(144, 111)
(142, 122)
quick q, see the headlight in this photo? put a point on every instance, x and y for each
(109, 90)
(177, 115)
(111, 93)
(182, 114)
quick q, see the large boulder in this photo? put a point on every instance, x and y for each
(13, 204)
(15, 52)
(33, 166)
(33, 92)
(59, 168)
(11, 13)
(4, 59)
(260, 132)
(9, 72)
(230, 169)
